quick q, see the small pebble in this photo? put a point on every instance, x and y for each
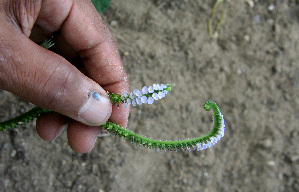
(250, 3)
(267, 143)
(295, 158)
(271, 7)
(13, 153)
(271, 163)
(246, 38)
(257, 19)
(113, 23)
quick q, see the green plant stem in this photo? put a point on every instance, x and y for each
(23, 118)
(168, 145)
(214, 34)
(131, 136)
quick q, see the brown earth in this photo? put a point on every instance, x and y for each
(251, 71)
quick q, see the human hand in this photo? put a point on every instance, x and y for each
(51, 81)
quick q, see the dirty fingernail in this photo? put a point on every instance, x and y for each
(96, 110)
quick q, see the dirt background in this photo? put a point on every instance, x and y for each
(251, 71)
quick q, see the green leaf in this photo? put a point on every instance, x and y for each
(101, 5)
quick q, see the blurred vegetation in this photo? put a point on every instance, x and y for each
(101, 5)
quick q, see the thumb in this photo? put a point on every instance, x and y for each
(51, 82)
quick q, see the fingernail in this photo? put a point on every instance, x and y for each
(95, 139)
(96, 110)
(60, 129)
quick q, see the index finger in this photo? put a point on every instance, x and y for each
(86, 33)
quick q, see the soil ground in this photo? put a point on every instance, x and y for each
(251, 71)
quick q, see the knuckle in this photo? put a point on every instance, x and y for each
(55, 88)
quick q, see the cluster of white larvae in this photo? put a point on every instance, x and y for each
(146, 96)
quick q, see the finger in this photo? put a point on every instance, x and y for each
(120, 115)
(95, 45)
(82, 137)
(50, 126)
(51, 16)
(92, 40)
(49, 81)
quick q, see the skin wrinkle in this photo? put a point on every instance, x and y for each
(64, 80)
(9, 14)
(35, 77)
(23, 14)
(3, 64)
(48, 21)
(44, 89)
(27, 75)
(106, 69)
(99, 32)
(27, 16)
(18, 76)
(95, 47)
(86, 56)
(115, 83)
(13, 57)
